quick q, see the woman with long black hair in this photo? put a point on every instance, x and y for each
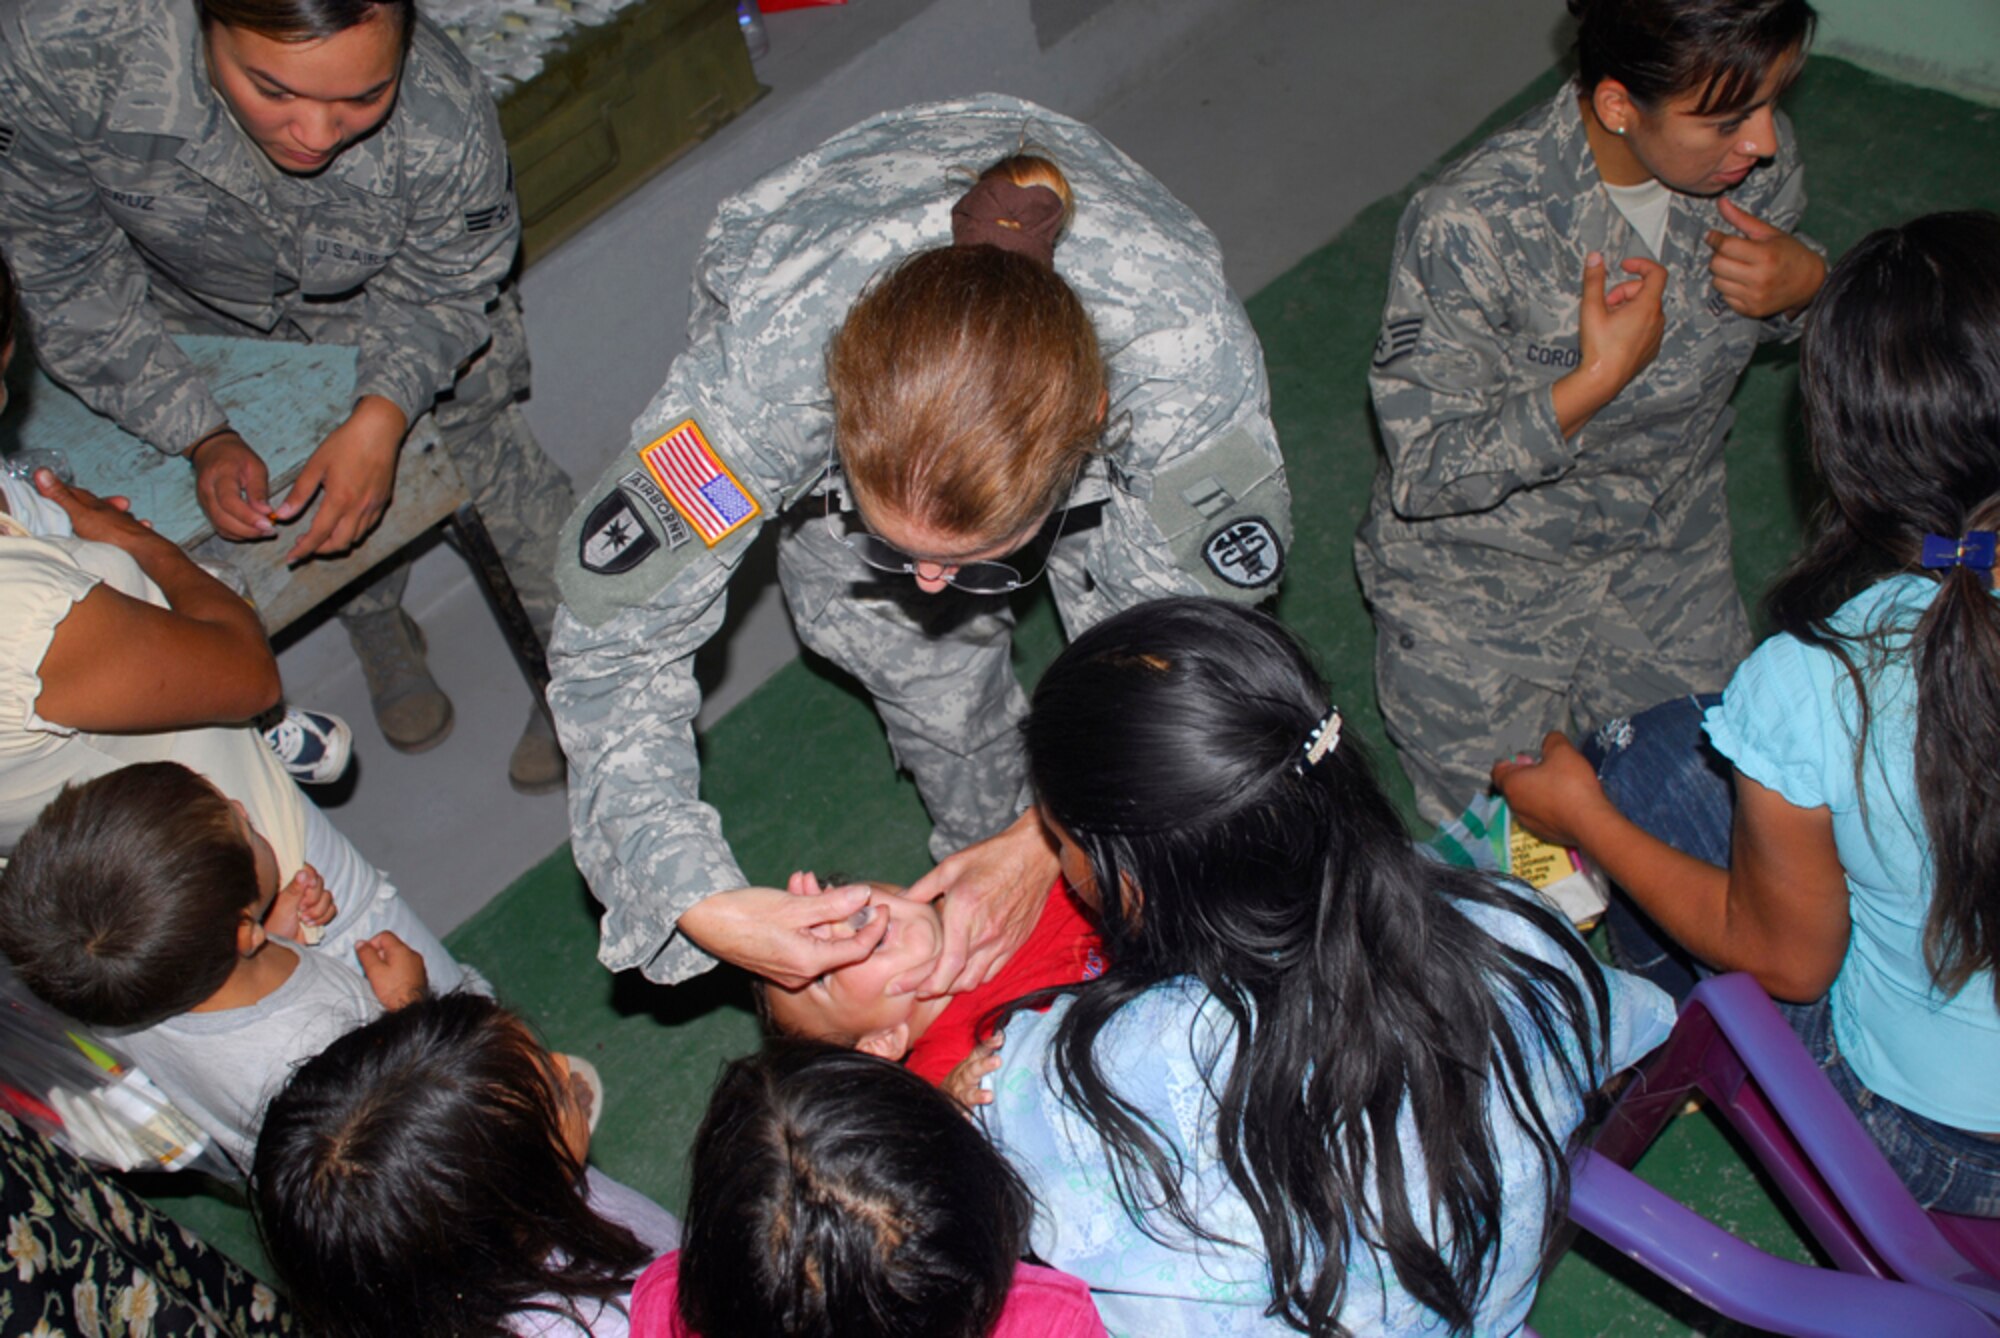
(1855, 868)
(1326, 1084)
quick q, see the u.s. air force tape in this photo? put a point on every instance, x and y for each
(1246, 553)
(1398, 338)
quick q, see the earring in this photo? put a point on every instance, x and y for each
(1618, 130)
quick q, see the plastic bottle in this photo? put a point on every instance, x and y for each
(752, 23)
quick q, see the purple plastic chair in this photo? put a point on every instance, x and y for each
(1733, 1045)
(1744, 1283)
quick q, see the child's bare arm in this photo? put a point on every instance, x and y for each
(301, 909)
(394, 969)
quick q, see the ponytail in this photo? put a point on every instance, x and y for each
(1958, 737)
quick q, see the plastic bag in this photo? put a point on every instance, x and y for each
(86, 1097)
(1486, 837)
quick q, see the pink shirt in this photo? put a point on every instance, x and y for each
(1041, 1304)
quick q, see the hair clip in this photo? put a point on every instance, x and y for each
(1325, 737)
(1973, 549)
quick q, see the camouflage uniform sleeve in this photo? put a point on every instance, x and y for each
(425, 312)
(624, 697)
(1460, 433)
(1787, 206)
(624, 694)
(83, 287)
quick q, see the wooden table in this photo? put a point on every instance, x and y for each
(284, 398)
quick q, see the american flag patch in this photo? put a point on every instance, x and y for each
(698, 484)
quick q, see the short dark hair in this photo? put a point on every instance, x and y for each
(413, 1178)
(120, 903)
(1660, 49)
(837, 1193)
(304, 20)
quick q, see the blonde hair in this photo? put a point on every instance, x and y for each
(968, 386)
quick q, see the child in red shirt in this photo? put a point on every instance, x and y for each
(850, 1006)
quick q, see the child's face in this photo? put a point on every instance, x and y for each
(851, 1004)
(1073, 862)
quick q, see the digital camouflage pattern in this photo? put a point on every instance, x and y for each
(1191, 497)
(132, 207)
(1521, 581)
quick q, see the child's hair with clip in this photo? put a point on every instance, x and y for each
(1173, 743)
(834, 1193)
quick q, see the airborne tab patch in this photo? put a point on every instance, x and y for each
(640, 484)
(698, 484)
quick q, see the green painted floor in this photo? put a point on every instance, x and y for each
(803, 773)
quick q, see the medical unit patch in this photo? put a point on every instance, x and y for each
(698, 484)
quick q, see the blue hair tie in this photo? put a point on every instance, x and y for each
(1974, 549)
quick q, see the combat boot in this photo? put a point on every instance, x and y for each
(537, 766)
(411, 709)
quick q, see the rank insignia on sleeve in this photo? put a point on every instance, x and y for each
(491, 217)
(1246, 553)
(699, 485)
(6, 140)
(614, 539)
(1398, 338)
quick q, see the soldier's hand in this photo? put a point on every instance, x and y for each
(1547, 795)
(355, 467)
(1764, 271)
(789, 938)
(233, 487)
(1618, 336)
(997, 889)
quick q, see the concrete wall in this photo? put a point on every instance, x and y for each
(1948, 44)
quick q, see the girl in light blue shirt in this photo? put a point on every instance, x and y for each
(1862, 875)
(1326, 1084)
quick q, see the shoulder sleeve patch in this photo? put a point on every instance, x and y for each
(700, 487)
(1225, 510)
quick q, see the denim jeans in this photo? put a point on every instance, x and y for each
(1660, 771)
(1949, 1169)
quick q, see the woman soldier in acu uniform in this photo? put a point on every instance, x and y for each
(1069, 390)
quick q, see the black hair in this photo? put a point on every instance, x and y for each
(413, 1178)
(121, 902)
(1660, 49)
(834, 1193)
(305, 20)
(1169, 743)
(1901, 379)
